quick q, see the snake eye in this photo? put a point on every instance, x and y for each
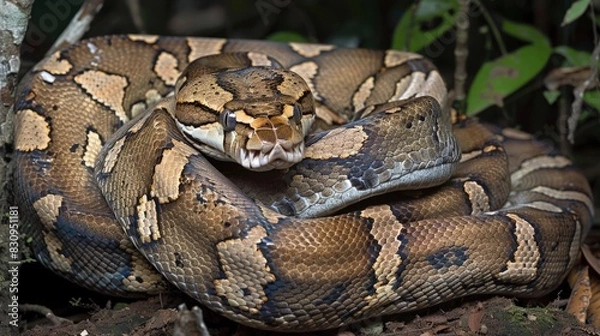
(228, 120)
(297, 113)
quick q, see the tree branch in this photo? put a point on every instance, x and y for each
(78, 25)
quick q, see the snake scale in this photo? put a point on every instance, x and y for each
(506, 217)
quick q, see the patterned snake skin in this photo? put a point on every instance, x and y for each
(270, 248)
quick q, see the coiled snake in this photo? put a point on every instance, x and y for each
(510, 220)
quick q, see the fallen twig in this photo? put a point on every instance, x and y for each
(461, 51)
(56, 320)
(580, 90)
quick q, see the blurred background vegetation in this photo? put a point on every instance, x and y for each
(524, 57)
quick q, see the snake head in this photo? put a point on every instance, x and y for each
(273, 142)
(257, 116)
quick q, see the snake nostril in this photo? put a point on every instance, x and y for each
(409, 124)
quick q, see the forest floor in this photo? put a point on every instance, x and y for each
(87, 313)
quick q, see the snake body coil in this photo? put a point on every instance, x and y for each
(509, 219)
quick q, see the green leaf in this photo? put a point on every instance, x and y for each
(592, 98)
(499, 78)
(409, 28)
(575, 11)
(429, 9)
(524, 32)
(287, 36)
(574, 57)
(551, 96)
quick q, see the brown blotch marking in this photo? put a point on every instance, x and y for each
(147, 221)
(202, 47)
(48, 209)
(480, 202)
(166, 68)
(363, 93)
(246, 271)
(150, 39)
(310, 50)
(31, 131)
(55, 65)
(340, 142)
(308, 71)
(394, 58)
(105, 88)
(93, 146)
(527, 255)
(167, 174)
(54, 246)
(385, 230)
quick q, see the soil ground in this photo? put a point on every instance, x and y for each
(93, 314)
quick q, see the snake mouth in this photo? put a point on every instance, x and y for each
(276, 158)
